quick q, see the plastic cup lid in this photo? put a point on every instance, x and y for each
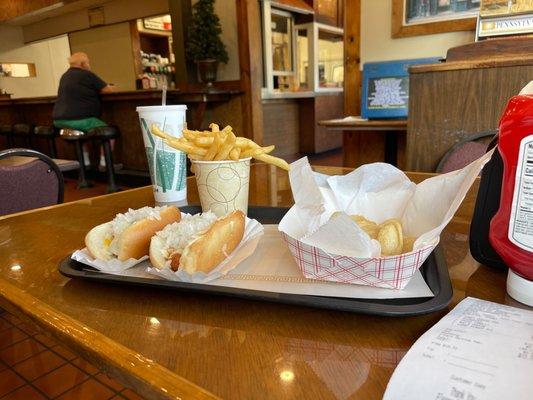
(178, 107)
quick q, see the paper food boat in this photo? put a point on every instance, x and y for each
(338, 250)
(392, 272)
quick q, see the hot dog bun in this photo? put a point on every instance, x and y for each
(95, 242)
(208, 249)
(133, 241)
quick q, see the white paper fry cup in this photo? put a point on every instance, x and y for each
(223, 185)
(168, 167)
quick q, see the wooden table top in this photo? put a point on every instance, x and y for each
(168, 345)
(355, 123)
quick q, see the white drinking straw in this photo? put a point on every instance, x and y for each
(164, 96)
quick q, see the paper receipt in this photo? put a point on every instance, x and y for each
(479, 351)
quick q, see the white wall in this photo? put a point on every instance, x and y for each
(377, 44)
(110, 52)
(227, 12)
(49, 56)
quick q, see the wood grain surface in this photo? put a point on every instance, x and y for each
(168, 345)
(489, 49)
(447, 106)
(399, 29)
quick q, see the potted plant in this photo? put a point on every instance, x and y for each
(204, 46)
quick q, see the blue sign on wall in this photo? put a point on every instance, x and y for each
(385, 91)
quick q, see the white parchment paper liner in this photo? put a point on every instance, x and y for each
(338, 250)
(113, 266)
(252, 233)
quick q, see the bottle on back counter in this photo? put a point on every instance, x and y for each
(511, 228)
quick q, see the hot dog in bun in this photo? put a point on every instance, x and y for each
(128, 235)
(198, 242)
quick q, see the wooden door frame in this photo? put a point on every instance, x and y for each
(251, 67)
(251, 63)
(352, 57)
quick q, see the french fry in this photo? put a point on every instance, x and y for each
(278, 162)
(243, 142)
(218, 145)
(204, 141)
(225, 149)
(188, 148)
(213, 149)
(190, 135)
(158, 132)
(235, 153)
(257, 151)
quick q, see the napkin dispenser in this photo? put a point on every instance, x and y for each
(489, 243)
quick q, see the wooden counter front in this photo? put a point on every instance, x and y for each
(119, 109)
(456, 99)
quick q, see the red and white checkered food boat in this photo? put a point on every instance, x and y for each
(393, 272)
(378, 192)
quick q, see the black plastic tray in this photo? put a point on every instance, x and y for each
(487, 204)
(434, 271)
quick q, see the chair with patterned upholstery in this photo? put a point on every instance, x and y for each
(28, 185)
(465, 151)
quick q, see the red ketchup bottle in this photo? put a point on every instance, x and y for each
(511, 228)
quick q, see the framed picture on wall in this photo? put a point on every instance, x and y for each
(425, 17)
(504, 17)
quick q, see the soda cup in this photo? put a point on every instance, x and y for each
(168, 166)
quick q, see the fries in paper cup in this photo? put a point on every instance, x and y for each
(219, 145)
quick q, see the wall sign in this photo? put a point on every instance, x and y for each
(500, 18)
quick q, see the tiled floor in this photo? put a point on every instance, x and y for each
(34, 367)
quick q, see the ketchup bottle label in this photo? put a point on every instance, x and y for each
(521, 221)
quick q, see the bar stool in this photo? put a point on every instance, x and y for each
(7, 132)
(49, 133)
(103, 134)
(22, 131)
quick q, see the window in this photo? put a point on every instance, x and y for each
(17, 70)
(330, 59)
(281, 33)
(300, 59)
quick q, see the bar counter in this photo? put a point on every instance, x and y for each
(168, 344)
(223, 106)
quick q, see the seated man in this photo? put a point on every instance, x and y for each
(78, 97)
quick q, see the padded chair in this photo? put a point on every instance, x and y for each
(465, 151)
(24, 132)
(49, 133)
(104, 134)
(37, 183)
